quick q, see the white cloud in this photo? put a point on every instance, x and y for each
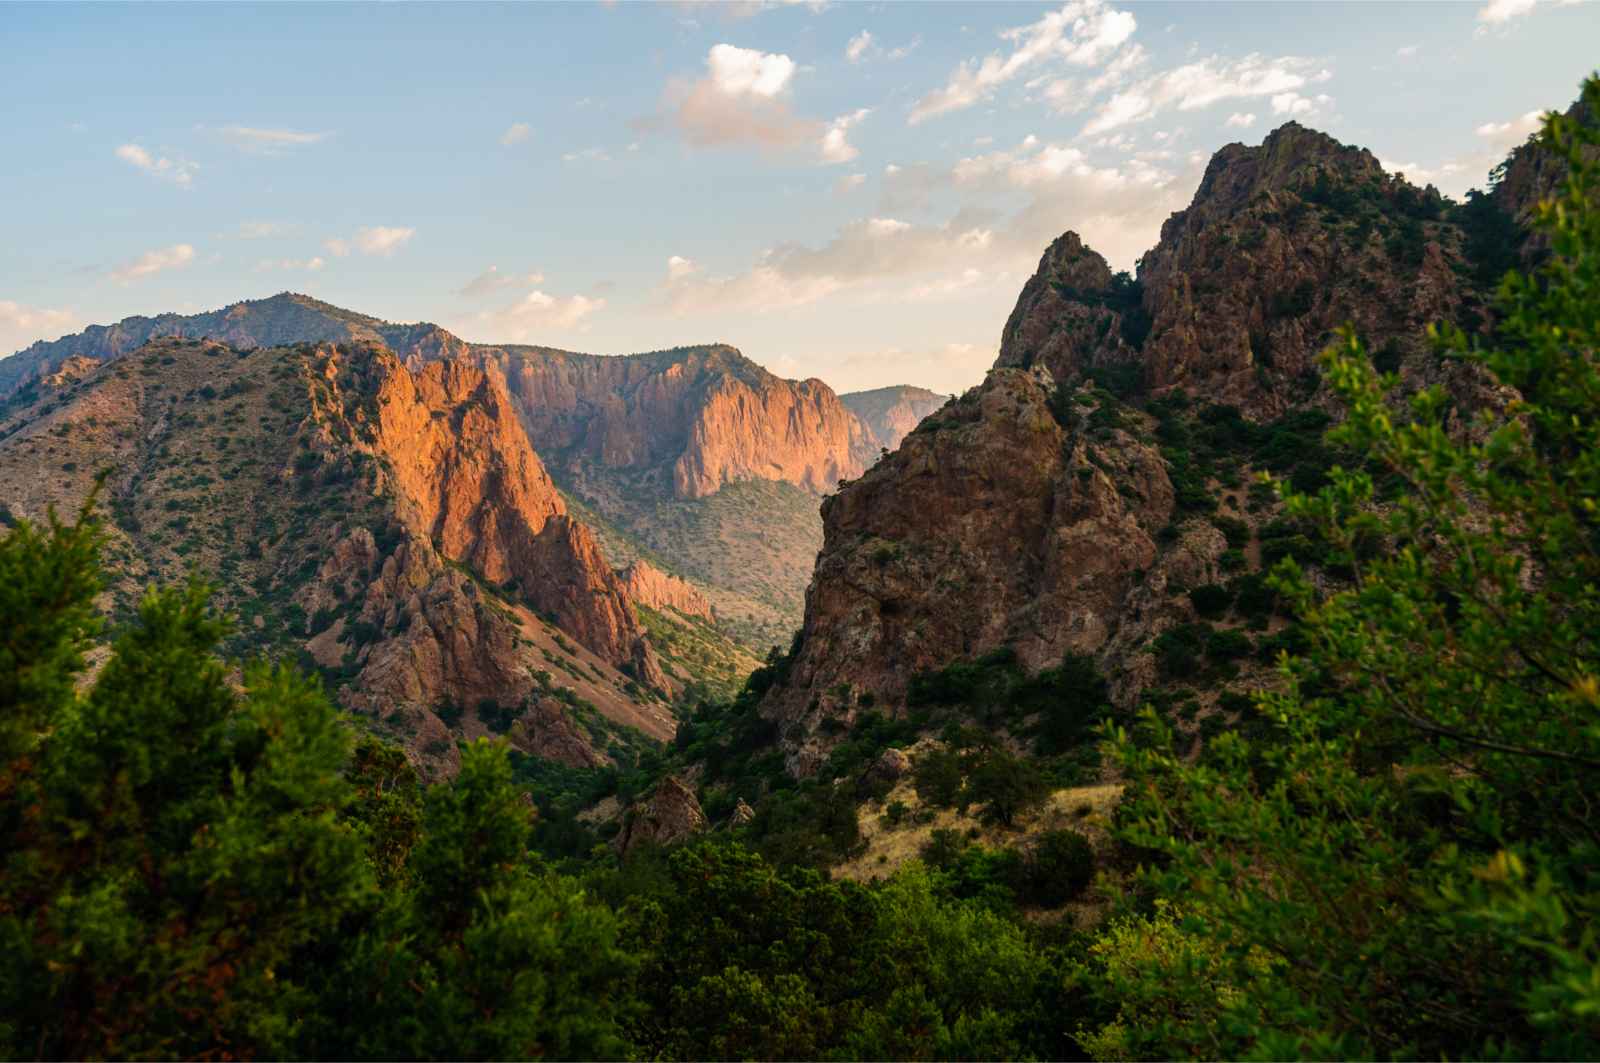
(1295, 105)
(1500, 11)
(1407, 51)
(1202, 83)
(1508, 134)
(382, 240)
(741, 99)
(492, 280)
(21, 325)
(152, 262)
(864, 46)
(587, 155)
(269, 141)
(835, 145)
(1083, 33)
(516, 133)
(292, 264)
(746, 72)
(1499, 14)
(538, 312)
(179, 172)
(1236, 120)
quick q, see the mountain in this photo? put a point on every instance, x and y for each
(646, 444)
(889, 413)
(1092, 499)
(392, 526)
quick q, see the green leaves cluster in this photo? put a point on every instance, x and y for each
(191, 862)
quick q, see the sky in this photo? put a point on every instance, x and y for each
(850, 191)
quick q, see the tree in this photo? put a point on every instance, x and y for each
(170, 844)
(1408, 864)
(191, 863)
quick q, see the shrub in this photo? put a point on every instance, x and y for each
(1211, 600)
(1058, 869)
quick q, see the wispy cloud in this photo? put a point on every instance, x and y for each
(864, 46)
(516, 133)
(179, 171)
(492, 280)
(152, 262)
(1205, 82)
(21, 325)
(1084, 33)
(380, 240)
(264, 141)
(536, 313)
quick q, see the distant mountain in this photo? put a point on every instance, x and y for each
(393, 526)
(645, 443)
(890, 413)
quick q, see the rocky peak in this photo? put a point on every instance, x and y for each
(1035, 517)
(888, 414)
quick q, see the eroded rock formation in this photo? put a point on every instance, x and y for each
(650, 586)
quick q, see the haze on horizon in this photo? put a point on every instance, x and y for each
(848, 191)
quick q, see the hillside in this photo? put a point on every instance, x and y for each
(646, 442)
(391, 527)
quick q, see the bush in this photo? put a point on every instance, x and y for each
(1058, 869)
(1211, 600)
(937, 777)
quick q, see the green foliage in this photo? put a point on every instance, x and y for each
(743, 960)
(1408, 865)
(197, 868)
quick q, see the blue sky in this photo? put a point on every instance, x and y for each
(854, 191)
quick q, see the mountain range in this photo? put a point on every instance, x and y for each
(695, 459)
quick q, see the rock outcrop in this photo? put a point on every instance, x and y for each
(1283, 244)
(888, 414)
(671, 814)
(1037, 513)
(451, 441)
(650, 586)
(993, 525)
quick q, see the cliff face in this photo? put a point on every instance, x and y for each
(993, 525)
(692, 419)
(451, 438)
(652, 587)
(1042, 513)
(395, 526)
(888, 414)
